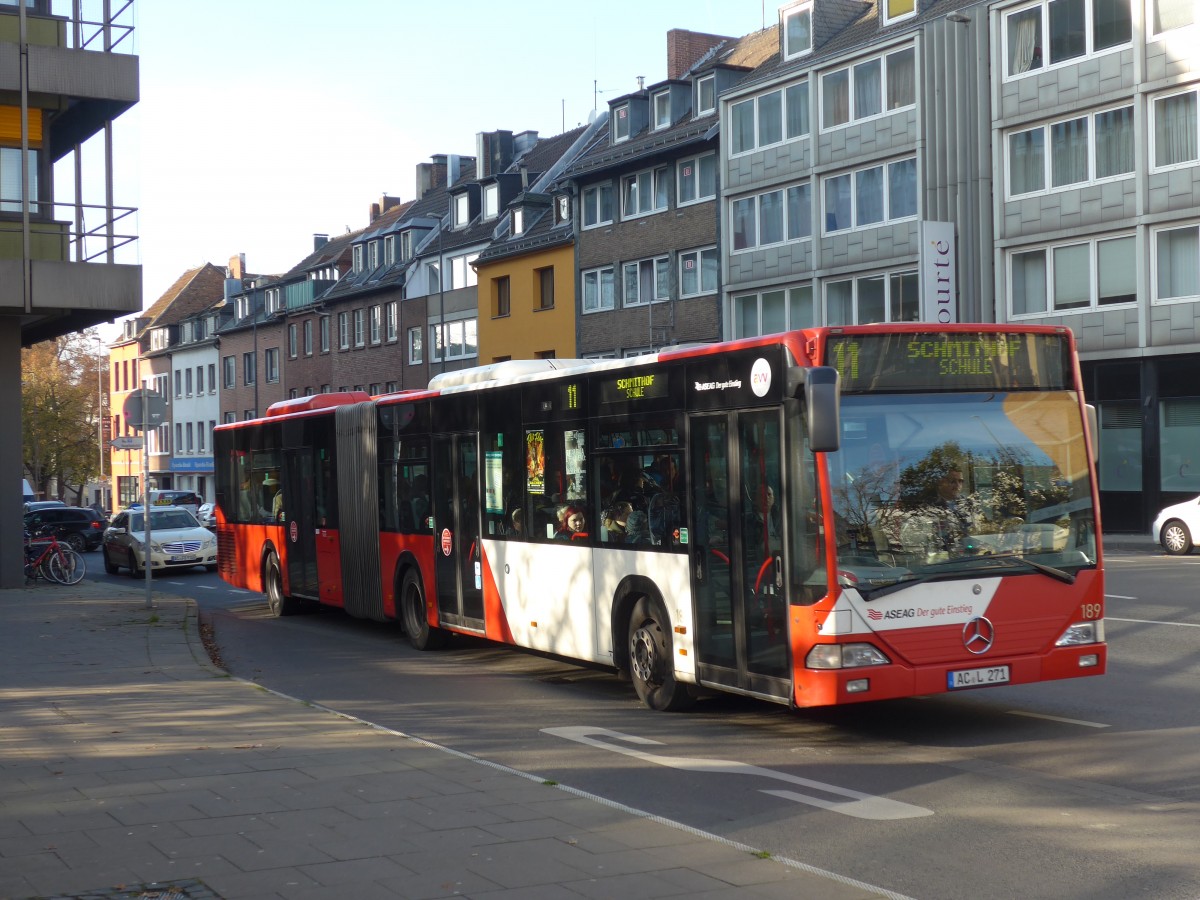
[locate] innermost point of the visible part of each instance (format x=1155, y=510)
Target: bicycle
x=47, y=557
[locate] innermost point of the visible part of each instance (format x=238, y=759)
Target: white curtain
x=901, y=79
x=1175, y=129
x=1179, y=263
x=1025, y=41
x=1114, y=142
x=868, y=88
x=835, y=98
x=1029, y=282
x=1169, y=14
x=1069, y=152
x=868, y=196
x=1027, y=161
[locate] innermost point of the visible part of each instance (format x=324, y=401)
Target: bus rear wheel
x=279, y=603
x=650, y=661
x=421, y=634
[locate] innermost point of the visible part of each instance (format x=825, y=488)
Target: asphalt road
x=1076, y=789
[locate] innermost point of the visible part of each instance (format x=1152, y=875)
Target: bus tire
x=650, y=662
x=420, y=633
x=280, y=604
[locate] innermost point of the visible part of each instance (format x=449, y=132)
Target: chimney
x=431, y=175
x=686, y=48
x=319, y=241
x=237, y=266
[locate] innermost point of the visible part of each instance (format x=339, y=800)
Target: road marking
x=1152, y=622
x=1118, y=597
x=1063, y=719
x=857, y=804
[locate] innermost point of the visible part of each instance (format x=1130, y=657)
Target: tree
x=61, y=384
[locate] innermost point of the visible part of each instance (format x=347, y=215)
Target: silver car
x=177, y=541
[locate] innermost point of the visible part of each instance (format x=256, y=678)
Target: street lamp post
x=100, y=366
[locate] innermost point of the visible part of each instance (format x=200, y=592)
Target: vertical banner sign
x=939, y=276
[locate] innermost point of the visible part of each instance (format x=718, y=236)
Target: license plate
x=969, y=678
x=182, y=559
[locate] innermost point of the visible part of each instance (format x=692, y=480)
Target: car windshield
x=161, y=520
x=922, y=480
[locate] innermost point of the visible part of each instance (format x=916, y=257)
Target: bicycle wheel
x=67, y=566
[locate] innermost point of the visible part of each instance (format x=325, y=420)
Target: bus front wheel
x=650, y=661
x=280, y=604
x=416, y=624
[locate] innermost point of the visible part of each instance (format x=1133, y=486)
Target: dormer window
x=562, y=209
x=373, y=254
x=706, y=95
x=273, y=304
x=357, y=264
x=462, y=211
x=894, y=10
x=518, y=221
x=620, y=126
x=797, y=30
x=662, y=110
x=491, y=201
x=406, y=244
x=389, y=249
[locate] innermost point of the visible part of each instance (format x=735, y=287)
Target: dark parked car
x=81, y=528
x=34, y=505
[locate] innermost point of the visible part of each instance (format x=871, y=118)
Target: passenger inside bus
x=616, y=522
x=573, y=524
x=516, y=526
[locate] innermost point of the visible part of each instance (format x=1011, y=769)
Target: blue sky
x=263, y=123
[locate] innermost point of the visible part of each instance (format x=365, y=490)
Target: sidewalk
x=130, y=767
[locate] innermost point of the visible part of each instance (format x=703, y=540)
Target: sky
x=261, y=124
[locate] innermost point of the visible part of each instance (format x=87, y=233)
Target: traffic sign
x=130, y=442
x=156, y=410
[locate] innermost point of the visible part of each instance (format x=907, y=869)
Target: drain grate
x=191, y=889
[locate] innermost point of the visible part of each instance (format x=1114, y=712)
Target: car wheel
x=1176, y=539
x=211, y=567
x=109, y=566
x=134, y=571
x=76, y=542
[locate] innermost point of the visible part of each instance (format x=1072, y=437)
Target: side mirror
x=821, y=388
x=116, y=531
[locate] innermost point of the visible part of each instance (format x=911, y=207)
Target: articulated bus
x=812, y=518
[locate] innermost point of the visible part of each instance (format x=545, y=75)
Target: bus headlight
x=844, y=656
x=1082, y=633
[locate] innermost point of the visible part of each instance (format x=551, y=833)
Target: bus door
x=738, y=553
x=299, y=525
x=458, y=556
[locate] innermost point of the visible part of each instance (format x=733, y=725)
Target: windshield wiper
x=965, y=566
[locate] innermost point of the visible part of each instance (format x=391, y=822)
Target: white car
x=207, y=514
x=177, y=541
x=1177, y=527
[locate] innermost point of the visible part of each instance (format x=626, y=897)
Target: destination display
x=956, y=361
x=646, y=386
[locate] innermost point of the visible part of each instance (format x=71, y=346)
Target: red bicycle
x=46, y=557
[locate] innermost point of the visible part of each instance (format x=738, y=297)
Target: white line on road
x=1033, y=715
x=858, y=805
x=1118, y=597
x=1152, y=622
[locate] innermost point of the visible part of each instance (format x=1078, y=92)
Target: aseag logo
x=760, y=377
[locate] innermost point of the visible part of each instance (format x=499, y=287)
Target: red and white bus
x=814, y=518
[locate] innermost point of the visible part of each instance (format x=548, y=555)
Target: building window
x=373, y=255
x=1074, y=28
x=545, y=287
x=344, y=330
x=178, y=383
x=598, y=290
x=1174, y=136
x=249, y=367
x=620, y=124
x=772, y=218
x=1167, y=15
x=324, y=327
x=462, y=273
x=406, y=245
x=871, y=196
x=393, y=320
x=11, y=196
x=191, y=438
x=293, y=340
x=416, y=353
x=771, y=312
x=1071, y=152
x=706, y=95
x=201, y=441
x=462, y=210
x=797, y=31
x=308, y=342
x=501, y=297
x=873, y=298
x=518, y=221
x=661, y=104
x=698, y=272
x=389, y=249
x=375, y=324
x=1081, y=275
x=868, y=89
x=271, y=359
x=491, y=201
x=454, y=340
x=697, y=178
x=212, y=378
x=199, y=379
x=598, y=205
x=187, y=382
x=1177, y=263
x=769, y=118
x=357, y=264
x=644, y=192
x=646, y=281
x=229, y=371
x=897, y=9
x=360, y=336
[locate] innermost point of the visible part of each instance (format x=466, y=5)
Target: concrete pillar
x=11, y=455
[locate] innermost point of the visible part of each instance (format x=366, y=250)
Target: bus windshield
x=955, y=483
